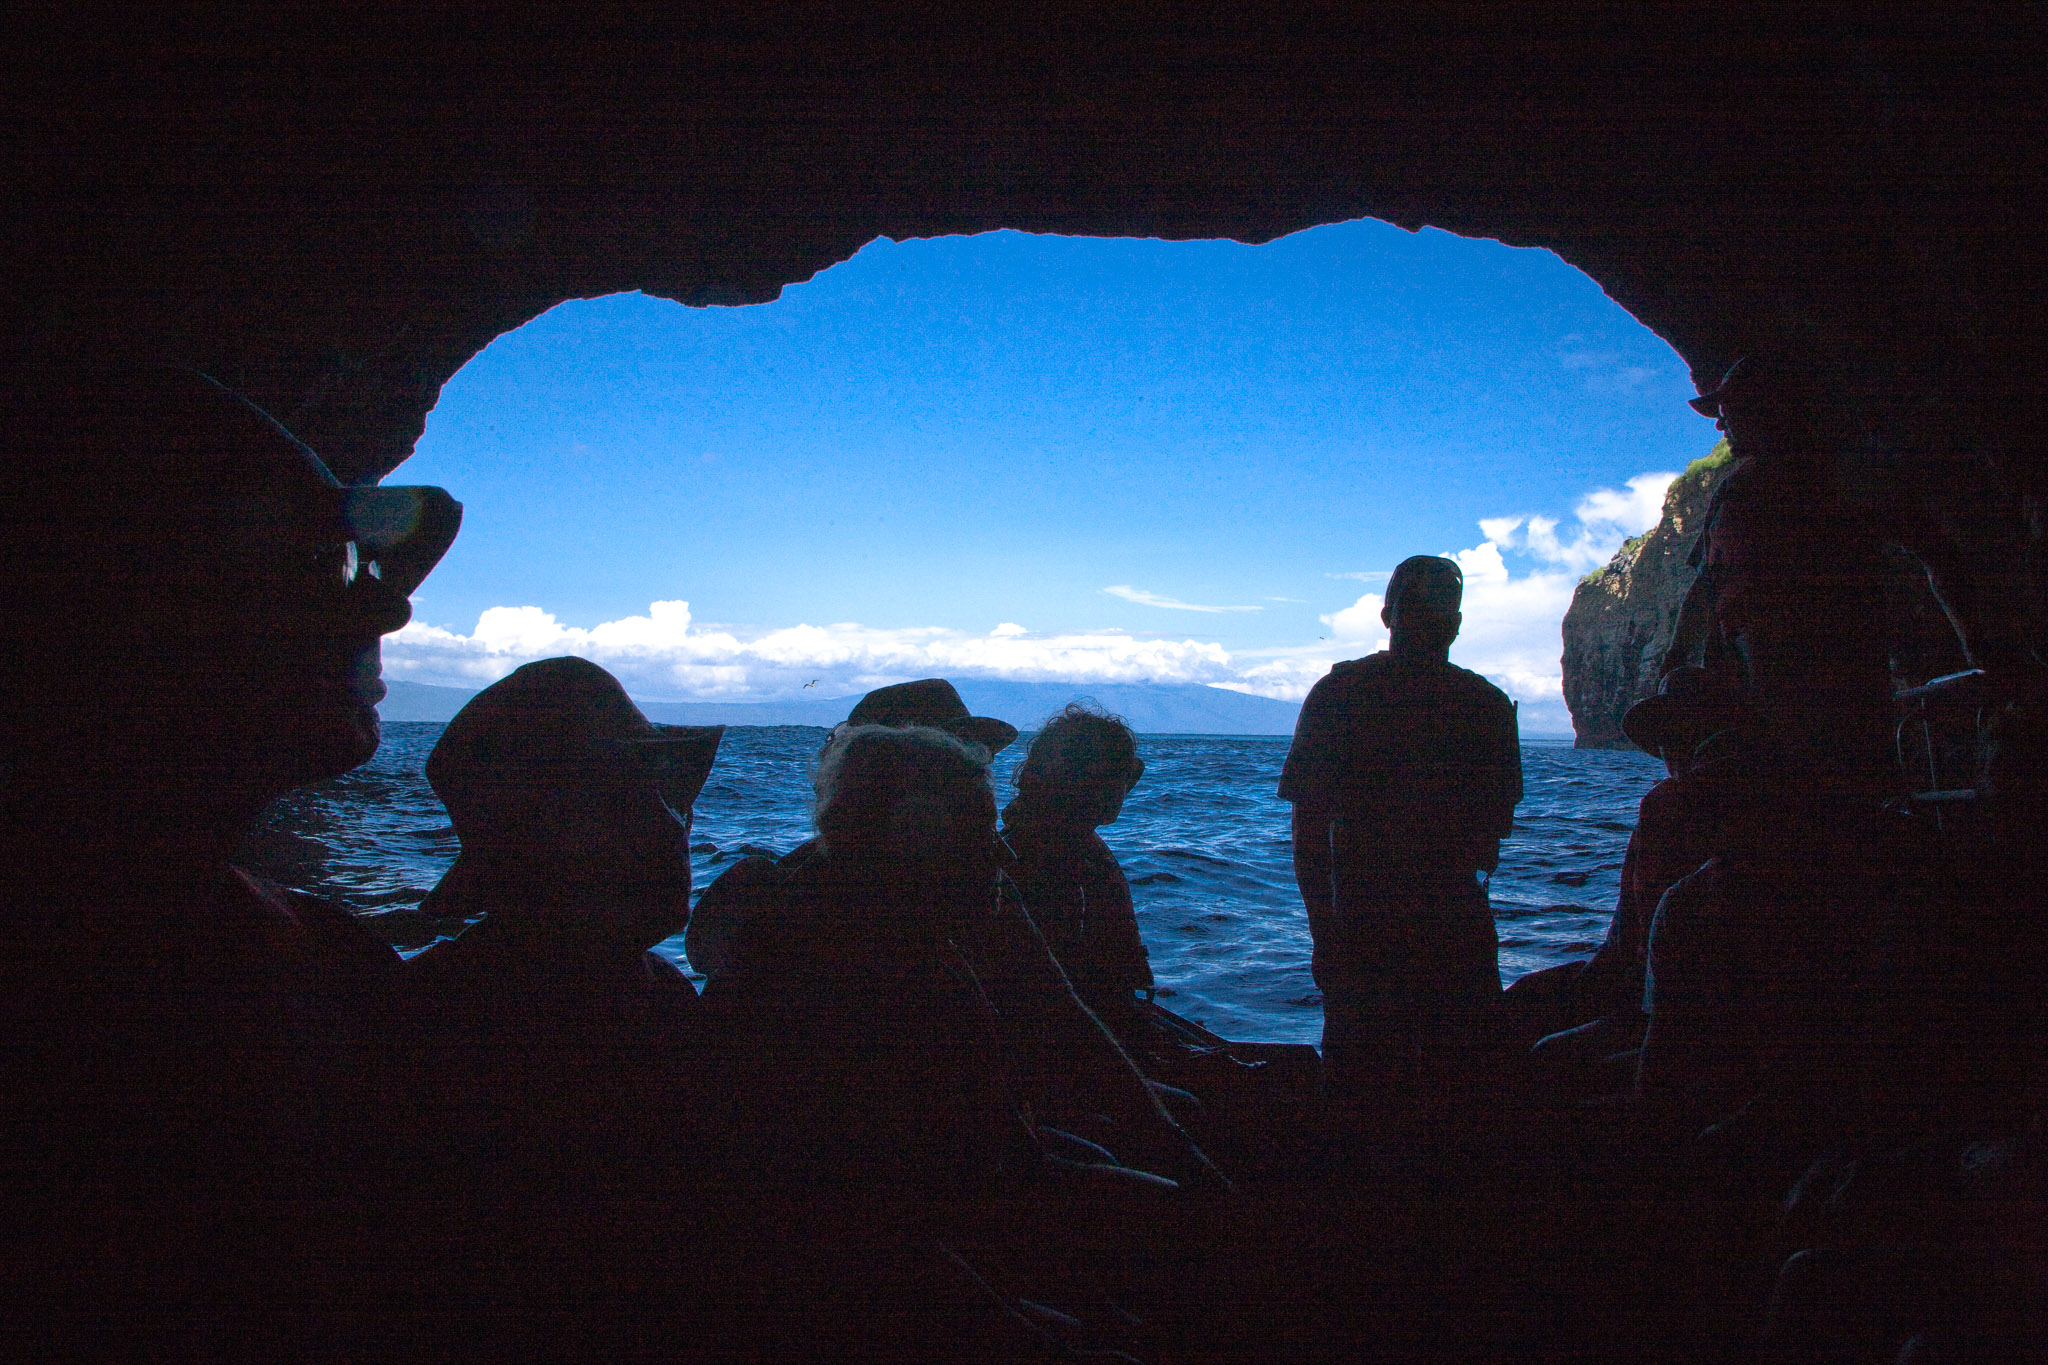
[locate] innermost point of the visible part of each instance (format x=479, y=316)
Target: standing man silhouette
x=1404, y=776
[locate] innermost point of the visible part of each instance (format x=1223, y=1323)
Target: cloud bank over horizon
x=665, y=656
x=1510, y=634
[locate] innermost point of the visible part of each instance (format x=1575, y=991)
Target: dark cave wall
x=334, y=215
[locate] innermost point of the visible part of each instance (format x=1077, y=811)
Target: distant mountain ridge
x=1153, y=709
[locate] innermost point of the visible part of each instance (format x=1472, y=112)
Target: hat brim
x=404, y=530
x=991, y=734
x=1656, y=723
x=687, y=752
x=1650, y=722
x=1707, y=404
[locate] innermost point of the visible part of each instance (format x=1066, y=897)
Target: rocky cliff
x=1622, y=616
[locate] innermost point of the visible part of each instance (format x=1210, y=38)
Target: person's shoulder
x=1476, y=686
x=1364, y=667
x=327, y=927
x=1346, y=676
x=742, y=896
x=801, y=856
x=1682, y=796
x=749, y=874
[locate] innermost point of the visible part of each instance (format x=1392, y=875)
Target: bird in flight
x=812, y=683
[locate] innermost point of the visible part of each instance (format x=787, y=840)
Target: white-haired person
x=895, y=1009
x=1081, y=766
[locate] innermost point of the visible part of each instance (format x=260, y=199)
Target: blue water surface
x=1204, y=840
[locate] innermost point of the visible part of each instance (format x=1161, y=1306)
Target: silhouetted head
x=189, y=602
x=553, y=775
x=1763, y=406
x=935, y=703
x=1081, y=766
x=914, y=801
x=1421, y=612
x=1689, y=709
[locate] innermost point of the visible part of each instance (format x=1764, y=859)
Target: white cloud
x=1635, y=511
x=1359, y=623
x=1283, y=674
x=1513, y=623
x=1510, y=634
x=1606, y=517
x=663, y=655
x=1513, y=626
x=1153, y=599
x=1368, y=576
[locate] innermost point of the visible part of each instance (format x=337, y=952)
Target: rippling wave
x=1204, y=840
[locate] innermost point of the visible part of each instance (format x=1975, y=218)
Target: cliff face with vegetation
x=1622, y=617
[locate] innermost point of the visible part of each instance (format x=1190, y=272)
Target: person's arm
x=1611, y=982
x=1695, y=620
x=1503, y=786
x=1306, y=780
x=1312, y=865
x=1069, y=1048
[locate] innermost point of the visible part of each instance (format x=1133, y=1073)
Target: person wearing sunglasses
x=190, y=611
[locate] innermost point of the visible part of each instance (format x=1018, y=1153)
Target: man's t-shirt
x=1419, y=760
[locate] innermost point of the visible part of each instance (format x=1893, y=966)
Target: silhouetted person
x=1758, y=961
x=574, y=815
x=188, y=629
x=1404, y=775
x=190, y=608
x=739, y=892
x=1600, y=1002
x=1791, y=580
x=911, y=1008
x=1081, y=766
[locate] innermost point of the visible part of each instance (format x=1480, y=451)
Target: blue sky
x=1051, y=458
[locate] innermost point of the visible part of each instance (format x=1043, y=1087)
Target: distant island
x=1153, y=709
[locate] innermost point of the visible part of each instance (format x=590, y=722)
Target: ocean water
x=1203, y=839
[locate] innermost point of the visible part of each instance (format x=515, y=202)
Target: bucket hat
x=1753, y=375
x=1689, y=705
x=139, y=457
x=933, y=702
x=556, y=725
x=1740, y=375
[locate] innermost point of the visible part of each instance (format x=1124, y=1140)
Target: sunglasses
x=394, y=535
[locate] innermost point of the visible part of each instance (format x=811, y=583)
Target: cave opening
x=335, y=213
x=1165, y=476
x=1094, y=437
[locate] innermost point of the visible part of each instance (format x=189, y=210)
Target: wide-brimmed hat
x=933, y=702
x=1690, y=706
x=139, y=455
x=1708, y=404
x=1749, y=374
x=553, y=725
